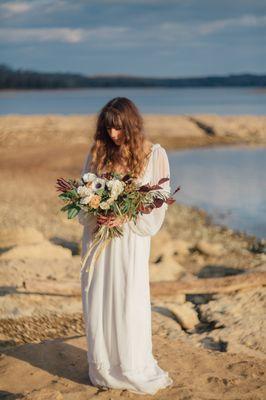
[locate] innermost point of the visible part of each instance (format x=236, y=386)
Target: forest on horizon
x=27, y=79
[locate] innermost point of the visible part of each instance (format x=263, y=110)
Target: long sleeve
x=150, y=224
x=86, y=164
x=84, y=218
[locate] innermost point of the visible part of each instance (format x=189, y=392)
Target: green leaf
x=68, y=195
x=100, y=191
x=66, y=207
x=64, y=196
x=73, y=212
x=73, y=193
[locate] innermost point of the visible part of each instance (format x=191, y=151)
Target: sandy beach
x=207, y=283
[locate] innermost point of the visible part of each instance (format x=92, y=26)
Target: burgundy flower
x=63, y=185
x=158, y=202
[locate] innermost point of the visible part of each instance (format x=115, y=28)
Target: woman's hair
x=119, y=113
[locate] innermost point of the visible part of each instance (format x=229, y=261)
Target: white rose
x=116, y=187
x=85, y=200
x=89, y=192
x=89, y=177
x=83, y=191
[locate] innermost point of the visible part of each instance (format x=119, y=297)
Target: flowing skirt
x=117, y=315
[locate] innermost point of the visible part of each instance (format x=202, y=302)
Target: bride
x=116, y=303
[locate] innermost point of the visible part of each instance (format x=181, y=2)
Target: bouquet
x=110, y=194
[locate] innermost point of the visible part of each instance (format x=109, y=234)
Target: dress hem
x=107, y=367
x=163, y=381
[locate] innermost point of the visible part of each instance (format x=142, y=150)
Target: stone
x=185, y=314
x=209, y=249
x=168, y=270
x=179, y=298
x=157, y=250
x=170, y=247
x=44, y=250
x=182, y=247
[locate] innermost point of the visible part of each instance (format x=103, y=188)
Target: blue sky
x=159, y=38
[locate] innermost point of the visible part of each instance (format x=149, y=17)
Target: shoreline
x=174, y=132
x=32, y=143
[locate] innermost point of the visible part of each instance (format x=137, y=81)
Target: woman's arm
x=150, y=224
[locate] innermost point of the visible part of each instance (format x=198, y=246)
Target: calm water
x=229, y=101
x=227, y=182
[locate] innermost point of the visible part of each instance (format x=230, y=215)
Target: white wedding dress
x=116, y=304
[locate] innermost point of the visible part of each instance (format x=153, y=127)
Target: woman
x=116, y=304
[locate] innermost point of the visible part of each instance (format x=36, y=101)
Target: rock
x=157, y=250
x=209, y=249
x=170, y=247
x=168, y=270
x=164, y=324
x=182, y=247
x=240, y=318
x=44, y=250
x=184, y=313
x=211, y=271
x=179, y=298
x=20, y=236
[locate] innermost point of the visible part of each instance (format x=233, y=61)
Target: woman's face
x=117, y=136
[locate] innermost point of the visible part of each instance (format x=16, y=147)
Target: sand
x=211, y=342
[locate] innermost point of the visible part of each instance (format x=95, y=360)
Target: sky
x=156, y=38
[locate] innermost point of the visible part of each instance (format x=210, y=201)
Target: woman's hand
x=111, y=221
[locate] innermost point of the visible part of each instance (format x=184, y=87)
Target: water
x=227, y=182
x=221, y=101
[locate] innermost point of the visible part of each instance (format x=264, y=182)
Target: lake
x=228, y=182
x=222, y=101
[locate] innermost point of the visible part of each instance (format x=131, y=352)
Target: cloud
x=66, y=35
x=248, y=21
x=165, y=34
x=172, y=31
x=12, y=8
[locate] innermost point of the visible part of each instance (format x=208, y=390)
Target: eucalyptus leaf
x=73, y=212
x=66, y=207
x=64, y=196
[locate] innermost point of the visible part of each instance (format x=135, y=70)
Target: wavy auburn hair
x=122, y=114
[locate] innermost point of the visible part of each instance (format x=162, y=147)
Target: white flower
x=97, y=184
x=83, y=191
x=89, y=177
x=116, y=187
x=85, y=200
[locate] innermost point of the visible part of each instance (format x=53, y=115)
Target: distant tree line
x=27, y=79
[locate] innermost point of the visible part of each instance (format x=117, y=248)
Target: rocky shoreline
x=207, y=281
